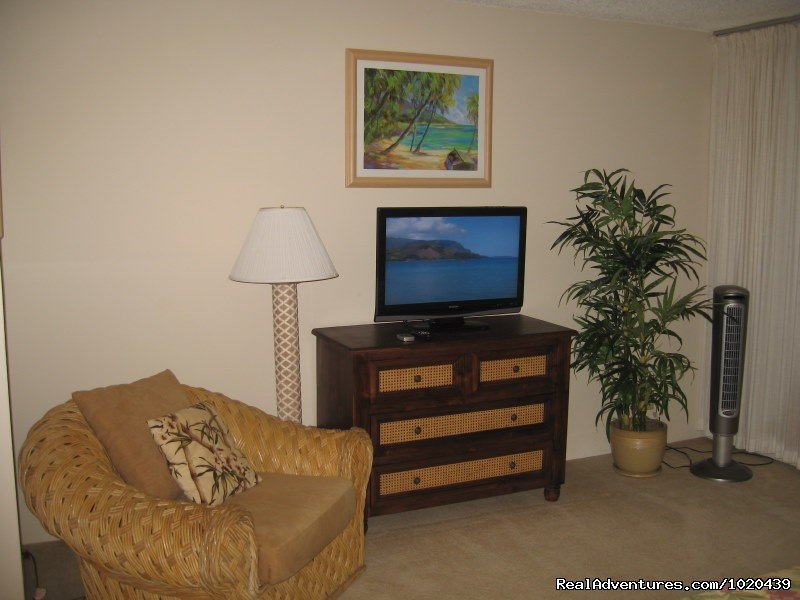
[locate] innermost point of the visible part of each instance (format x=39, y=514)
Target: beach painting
x=417, y=120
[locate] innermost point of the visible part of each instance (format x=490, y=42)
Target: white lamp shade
x=282, y=247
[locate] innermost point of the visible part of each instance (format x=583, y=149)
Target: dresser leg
x=551, y=494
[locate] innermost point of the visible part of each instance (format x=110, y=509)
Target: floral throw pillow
x=201, y=455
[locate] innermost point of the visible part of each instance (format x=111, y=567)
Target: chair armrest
x=164, y=546
x=271, y=444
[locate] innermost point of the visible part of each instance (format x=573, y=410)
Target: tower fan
x=727, y=368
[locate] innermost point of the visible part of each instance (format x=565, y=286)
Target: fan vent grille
x=732, y=338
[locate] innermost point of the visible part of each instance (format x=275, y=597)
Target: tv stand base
x=447, y=324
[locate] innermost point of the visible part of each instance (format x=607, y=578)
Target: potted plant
x=629, y=307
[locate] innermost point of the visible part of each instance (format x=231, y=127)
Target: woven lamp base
x=286, y=333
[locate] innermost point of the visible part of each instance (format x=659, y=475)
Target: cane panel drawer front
x=515, y=367
x=415, y=378
x=460, y=472
x=426, y=428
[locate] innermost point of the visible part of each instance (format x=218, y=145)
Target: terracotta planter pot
x=639, y=453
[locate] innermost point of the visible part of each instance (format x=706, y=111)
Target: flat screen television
x=440, y=265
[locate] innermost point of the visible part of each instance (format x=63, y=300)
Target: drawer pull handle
x=417, y=378
x=514, y=416
x=512, y=465
x=515, y=368
x=417, y=480
x=417, y=430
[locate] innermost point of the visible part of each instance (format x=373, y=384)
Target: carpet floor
x=671, y=527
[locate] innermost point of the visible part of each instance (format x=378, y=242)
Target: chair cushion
x=118, y=415
x=201, y=454
x=295, y=517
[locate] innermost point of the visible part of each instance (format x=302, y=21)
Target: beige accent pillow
x=201, y=455
x=118, y=416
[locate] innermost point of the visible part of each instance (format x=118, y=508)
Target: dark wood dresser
x=464, y=415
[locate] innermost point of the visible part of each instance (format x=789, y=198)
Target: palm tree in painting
x=418, y=94
x=402, y=105
x=445, y=86
x=472, y=115
x=384, y=92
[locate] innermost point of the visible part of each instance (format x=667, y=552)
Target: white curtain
x=754, y=223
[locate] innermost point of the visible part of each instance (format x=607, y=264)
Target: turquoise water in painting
x=444, y=137
x=409, y=282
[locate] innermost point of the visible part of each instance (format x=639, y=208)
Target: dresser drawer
x=514, y=367
x=426, y=428
x=437, y=375
x=414, y=378
x=428, y=478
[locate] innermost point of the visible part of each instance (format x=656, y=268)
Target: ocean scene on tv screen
x=451, y=259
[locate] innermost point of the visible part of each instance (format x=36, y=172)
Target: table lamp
x=284, y=249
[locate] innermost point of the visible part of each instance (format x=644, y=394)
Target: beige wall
x=140, y=138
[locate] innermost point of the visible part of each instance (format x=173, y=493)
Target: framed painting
x=417, y=120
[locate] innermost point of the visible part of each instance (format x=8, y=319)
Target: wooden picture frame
x=417, y=120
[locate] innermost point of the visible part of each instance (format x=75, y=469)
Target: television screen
x=440, y=262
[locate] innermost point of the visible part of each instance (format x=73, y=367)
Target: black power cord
x=26, y=555
x=39, y=592
x=680, y=450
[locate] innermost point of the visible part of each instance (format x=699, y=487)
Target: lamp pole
x=286, y=337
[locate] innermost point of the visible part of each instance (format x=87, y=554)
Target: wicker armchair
x=131, y=545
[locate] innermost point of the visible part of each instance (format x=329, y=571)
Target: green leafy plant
x=626, y=339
